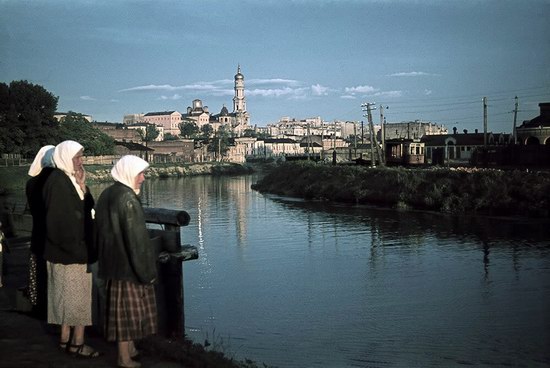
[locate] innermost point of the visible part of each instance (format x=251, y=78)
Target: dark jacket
x=36, y=205
x=69, y=225
x=124, y=248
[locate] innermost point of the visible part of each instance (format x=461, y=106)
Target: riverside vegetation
x=448, y=190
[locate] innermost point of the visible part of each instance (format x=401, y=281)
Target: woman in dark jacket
x=127, y=260
x=69, y=206
x=41, y=168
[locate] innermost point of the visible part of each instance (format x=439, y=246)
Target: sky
x=428, y=60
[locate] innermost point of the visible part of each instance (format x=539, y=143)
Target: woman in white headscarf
x=127, y=260
x=69, y=206
x=40, y=170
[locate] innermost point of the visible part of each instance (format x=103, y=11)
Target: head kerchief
x=127, y=169
x=44, y=158
x=63, y=156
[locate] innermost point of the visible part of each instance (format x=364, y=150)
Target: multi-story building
x=170, y=121
x=412, y=130
x=535, y=131
x=132, y=119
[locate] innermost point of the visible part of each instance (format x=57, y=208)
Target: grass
x=487, y=192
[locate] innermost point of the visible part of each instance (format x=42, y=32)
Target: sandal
x=63, y=346
x=79, y=352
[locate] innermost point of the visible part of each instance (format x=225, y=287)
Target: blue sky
x=431, y=60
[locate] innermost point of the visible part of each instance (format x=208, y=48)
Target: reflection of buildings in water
x=237, y=189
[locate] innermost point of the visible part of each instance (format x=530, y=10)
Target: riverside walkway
x=28, y=342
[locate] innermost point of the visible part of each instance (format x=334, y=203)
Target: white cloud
x=150, y=87
x=412, y=74
x=348, y=97
x=87, y=98
x=389, y=94
x=277, y=92
x=173, y=97
x=361, y=89
x=427, y=92
x=319, y=90
x=289, y=82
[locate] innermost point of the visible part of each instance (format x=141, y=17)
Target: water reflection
x=352, y=286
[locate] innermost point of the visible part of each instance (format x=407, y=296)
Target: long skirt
x=131, y=311
x=69, y=294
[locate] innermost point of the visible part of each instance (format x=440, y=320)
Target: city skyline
x=426, y=60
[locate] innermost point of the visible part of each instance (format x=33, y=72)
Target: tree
x=250, y=133
x=96, y=143
x=189, y=129
x=149, y=134
x=170, y=137
x=26, y=117
x=207, y=130
x=220, y=142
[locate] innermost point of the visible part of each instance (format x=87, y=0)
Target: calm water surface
x=306, y=284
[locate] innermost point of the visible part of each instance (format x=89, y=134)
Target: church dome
x=239, y=75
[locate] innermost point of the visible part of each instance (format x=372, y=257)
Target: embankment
x=455, y=190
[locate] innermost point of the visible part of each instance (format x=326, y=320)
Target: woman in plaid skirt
x=127, y=260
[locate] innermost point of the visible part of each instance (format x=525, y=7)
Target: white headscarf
x=127, y=169
x=44, y=158
x=63, y=159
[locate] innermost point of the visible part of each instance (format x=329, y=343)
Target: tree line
x=27, y=122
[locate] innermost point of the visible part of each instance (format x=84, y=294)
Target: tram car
x=405, y=152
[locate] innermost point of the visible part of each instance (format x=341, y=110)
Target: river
x=293, y=283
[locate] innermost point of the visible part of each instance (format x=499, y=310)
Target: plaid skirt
x=131, y=311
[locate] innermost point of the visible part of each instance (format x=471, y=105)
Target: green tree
x=220, y=143
x=26, y=117
x=96, y=143
x=170, y=137
x=207, y=130
x=189, y=129
x=149, y=134
x=250, y=133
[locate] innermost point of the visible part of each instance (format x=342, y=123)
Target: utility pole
x=515, y=119
x=355, y=139
x=322, y=137
x=373, y=142
x=485, y=123
x=383, y=132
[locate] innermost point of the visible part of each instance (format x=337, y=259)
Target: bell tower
x=239, y=101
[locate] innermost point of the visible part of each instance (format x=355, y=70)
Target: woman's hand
x=80, y=176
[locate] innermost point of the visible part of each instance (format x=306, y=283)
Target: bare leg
x=124, y=358
x=77, y=344
x=65, y=334
x=132, y=349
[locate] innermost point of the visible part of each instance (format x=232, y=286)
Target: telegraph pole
x=368, y=107
x=515, y=119
x=484, y=123
x=383, y=132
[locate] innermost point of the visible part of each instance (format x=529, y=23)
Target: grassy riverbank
x=455, y=190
